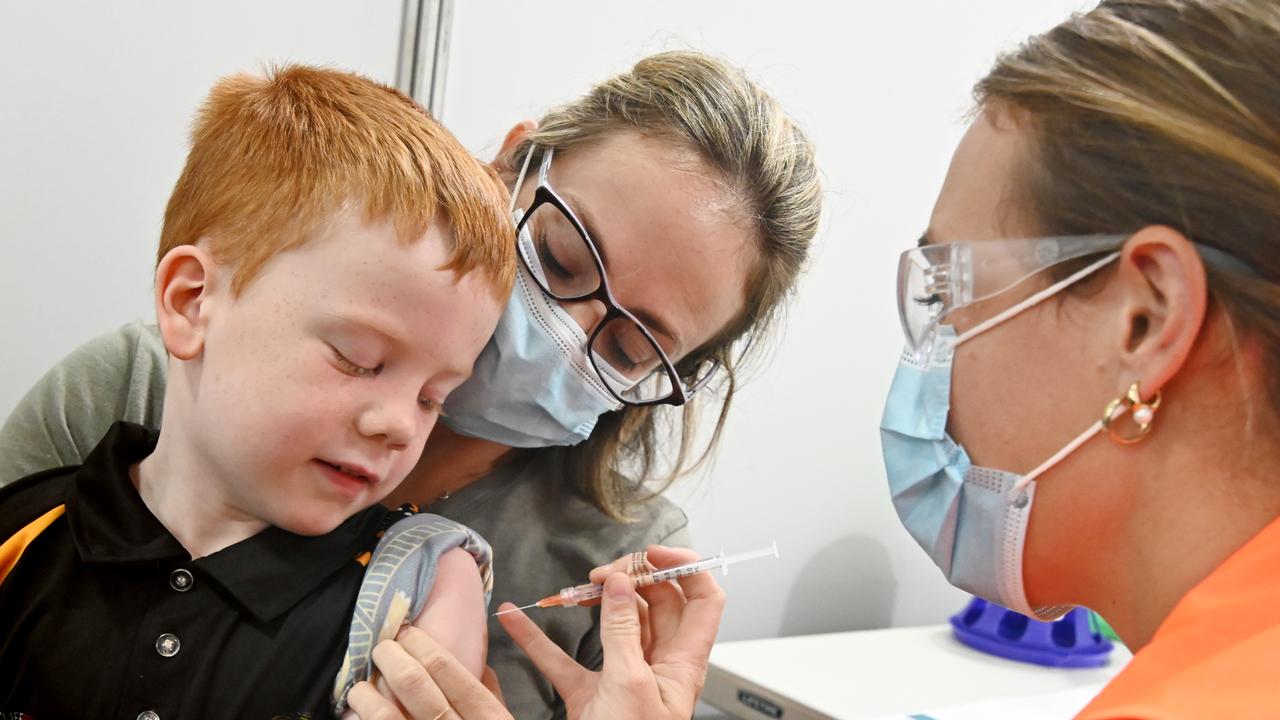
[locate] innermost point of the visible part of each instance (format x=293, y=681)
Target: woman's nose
x=586, y=313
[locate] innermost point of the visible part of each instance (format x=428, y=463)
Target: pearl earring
x=1142, y=411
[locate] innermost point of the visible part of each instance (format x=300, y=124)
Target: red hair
x=272, y=158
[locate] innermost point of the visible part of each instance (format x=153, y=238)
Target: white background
x=96, y=101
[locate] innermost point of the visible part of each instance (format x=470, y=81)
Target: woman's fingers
x=408, y=678
x=665, y=608
x=560, y=669
x=646, y=634
x=662, y=607
x=465, y=693
x=369, y=704
x=622, y=565
x=620, y=630
x=489, y=679
x=700, y=620
x=664, y=557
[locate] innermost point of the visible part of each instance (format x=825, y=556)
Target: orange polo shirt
x=1217, y=655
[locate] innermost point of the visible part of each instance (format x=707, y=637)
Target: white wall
x=882, y=88
x=95, y=103
x=98, y=96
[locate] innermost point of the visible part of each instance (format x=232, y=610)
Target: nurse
x=1086, y=413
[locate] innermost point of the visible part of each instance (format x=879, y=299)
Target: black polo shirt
x=104, y=614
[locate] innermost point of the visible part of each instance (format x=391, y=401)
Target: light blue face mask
x=971, y=520
x=532, y=385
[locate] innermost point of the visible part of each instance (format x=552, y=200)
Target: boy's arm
x=454, y=614
x=116, y=376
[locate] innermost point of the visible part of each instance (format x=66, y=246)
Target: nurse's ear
x=186, y=278
x=1164, y=293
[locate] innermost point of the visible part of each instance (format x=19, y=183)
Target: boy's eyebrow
x=368, y=323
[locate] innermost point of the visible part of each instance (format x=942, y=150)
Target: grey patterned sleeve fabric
x=405, y=560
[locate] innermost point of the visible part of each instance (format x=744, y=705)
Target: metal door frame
x=425, y=30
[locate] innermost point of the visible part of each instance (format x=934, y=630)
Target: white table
x=875, y=673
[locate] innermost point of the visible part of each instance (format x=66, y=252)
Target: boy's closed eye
x=352, y=367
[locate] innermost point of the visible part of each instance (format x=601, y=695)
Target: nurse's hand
x=654, y=667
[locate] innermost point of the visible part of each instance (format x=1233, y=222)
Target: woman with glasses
x=1086, y=412
x=661, y=221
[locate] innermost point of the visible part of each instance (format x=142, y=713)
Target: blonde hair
x=274, y=157
x=766, y=164
x=1161, y=112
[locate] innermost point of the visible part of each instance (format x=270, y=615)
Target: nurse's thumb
x=620, y=633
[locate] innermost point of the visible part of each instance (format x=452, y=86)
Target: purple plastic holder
x=1069, y=642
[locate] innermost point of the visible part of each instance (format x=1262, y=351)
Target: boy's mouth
x=355, y=472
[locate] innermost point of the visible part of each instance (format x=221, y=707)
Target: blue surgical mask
x=971, y=520
x=532, y=385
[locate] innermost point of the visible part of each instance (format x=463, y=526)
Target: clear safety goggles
x=934, y=281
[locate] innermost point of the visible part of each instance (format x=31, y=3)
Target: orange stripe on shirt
x=12, y=549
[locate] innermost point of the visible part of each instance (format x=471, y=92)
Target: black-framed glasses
x=563, y=260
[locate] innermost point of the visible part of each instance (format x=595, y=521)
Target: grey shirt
x=544, y=534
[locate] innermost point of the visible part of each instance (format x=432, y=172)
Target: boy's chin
x=319, y=522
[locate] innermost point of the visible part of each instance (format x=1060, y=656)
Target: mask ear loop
x=524, y=169
x=1070, y=447
x=1144, y=412
x=1031, y=301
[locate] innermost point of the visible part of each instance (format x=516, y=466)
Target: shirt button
x=168, y=645
x=148, y=715
x=181, y=580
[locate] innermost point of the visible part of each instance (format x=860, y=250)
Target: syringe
x=579, y=594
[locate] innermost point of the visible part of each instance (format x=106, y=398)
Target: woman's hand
x=656, y=647
x=654, y=667
x=422, y=681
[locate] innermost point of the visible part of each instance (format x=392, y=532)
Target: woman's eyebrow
x=651, y=321
x=584, y=216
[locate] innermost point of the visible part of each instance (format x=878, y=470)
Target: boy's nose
x=393, y=420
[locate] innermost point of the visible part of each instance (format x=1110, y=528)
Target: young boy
x=332, y=262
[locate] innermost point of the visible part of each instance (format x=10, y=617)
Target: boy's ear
x=505, y=163
x=185, y=278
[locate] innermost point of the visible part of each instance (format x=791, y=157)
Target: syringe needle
x=526, y=607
